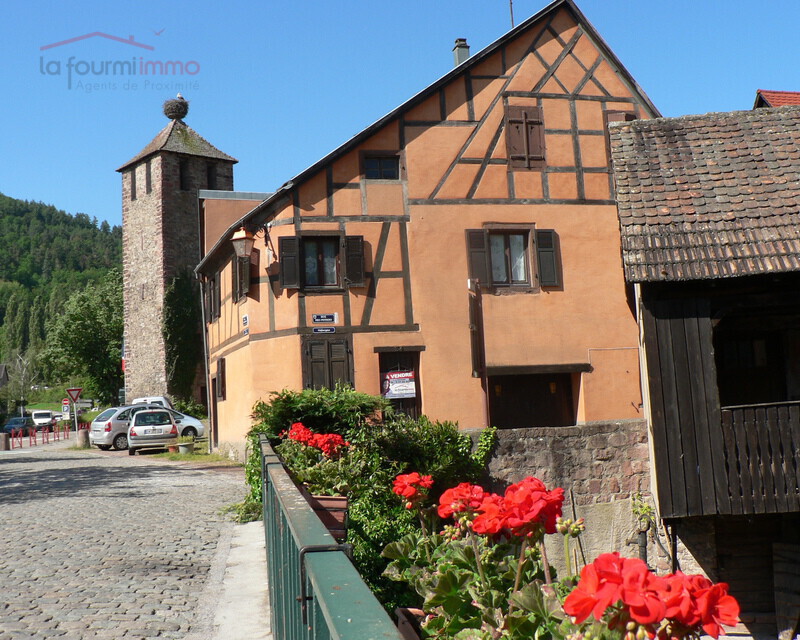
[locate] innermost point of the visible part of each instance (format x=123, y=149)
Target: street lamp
x=243, y=241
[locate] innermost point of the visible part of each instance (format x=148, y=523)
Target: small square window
x=382, y=167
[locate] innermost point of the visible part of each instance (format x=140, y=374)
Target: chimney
x=460, y=51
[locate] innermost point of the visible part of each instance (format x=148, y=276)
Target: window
x=240, y=277
x=382, y=167
x=321, y=262
x=508, y=256
x=133, y=183
x=211, y=175
x=524, y=128
x=500, y=257
x=148, y=179
x=183, y=174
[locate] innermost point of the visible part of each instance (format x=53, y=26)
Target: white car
x=159, y=400
x=42, y=418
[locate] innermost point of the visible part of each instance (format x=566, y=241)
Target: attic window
x=382, y=167
x=133, y=183
x=211, y=175
x=148, y=180
x=524, y=128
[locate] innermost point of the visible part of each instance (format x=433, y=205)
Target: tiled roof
x=766, y=98
x=709, y=196
x=179, y=138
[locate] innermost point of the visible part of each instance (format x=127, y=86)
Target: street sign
x=65, y=406
x=74, y=394
x=324, y=329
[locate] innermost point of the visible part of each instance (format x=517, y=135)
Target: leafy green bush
x=341, y=410
x=382, y=445
x=190, y=407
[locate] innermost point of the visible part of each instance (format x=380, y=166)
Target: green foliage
x=46, y=254
x=487, y=440
x=341, y=410
x=85, y=340
x=474, y=587
x=379, y=450
x=182, y=337
x=190, y=407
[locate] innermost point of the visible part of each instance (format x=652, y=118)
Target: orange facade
x=467, y=243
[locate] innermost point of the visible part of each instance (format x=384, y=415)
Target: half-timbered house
x=461, y=255
x=709, y=208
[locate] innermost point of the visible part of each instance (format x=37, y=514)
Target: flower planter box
x=332, y=511
x=408, y=622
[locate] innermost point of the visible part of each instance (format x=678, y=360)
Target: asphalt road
x=105, y=545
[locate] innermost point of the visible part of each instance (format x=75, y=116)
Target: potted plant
x=185, y=444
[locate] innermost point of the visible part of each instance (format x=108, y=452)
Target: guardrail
x=46, y=434
x=315, y=592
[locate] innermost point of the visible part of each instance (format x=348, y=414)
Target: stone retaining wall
x=600, y=465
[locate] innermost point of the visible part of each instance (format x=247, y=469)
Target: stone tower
x=161, y=237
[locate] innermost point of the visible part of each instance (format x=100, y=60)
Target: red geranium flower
x=409, y=485
x=717, y=607
x=463, y=497
x=301, y=433
x=526, y=509
x=612, y=579
x=491, y=517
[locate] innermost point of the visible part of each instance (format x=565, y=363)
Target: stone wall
x=600, y=466
x=160, y=238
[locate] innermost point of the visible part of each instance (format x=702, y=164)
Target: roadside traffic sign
x=74, y=394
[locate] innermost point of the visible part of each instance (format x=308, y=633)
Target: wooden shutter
x=327, y=361
x=235, y=288
x=317, y=364
x=216, y=297
x=547, y=258
x=354, y=261
x=339, y=362
x=524, y=137
x=289, y=248
x=221, y=379
x=478, y=256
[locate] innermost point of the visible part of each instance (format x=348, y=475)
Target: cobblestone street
x=104, y=545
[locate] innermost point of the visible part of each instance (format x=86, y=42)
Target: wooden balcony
x=762, y=457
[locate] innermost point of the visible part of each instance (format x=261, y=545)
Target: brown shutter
x=235, y=281
x=339, y=362
x=354, y=261
x=524, y=137
x=478, y=256
x=216, y=297
x=547, y=258
x=289, y=248
x=221, y=379
x=317, y=364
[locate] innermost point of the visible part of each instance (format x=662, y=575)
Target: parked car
x=110, y=428
x=187, y=425
x=151, y=428
x=42, y=418
x=159, y=400
x=19, y=422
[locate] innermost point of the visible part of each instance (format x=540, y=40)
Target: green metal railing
x=315, y=592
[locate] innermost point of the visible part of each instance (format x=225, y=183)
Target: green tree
x=86, y=338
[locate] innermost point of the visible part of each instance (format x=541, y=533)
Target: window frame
x=350, y=270
x=393, y=156
x=543, y=264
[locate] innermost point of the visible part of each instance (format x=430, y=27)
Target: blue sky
x=278, y=85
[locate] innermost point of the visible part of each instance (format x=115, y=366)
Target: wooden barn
x=709, y=208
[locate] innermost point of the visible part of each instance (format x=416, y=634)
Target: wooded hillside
x=45, y=255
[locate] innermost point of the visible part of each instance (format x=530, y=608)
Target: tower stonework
x=160, y=239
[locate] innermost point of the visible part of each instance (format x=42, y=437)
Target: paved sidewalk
x=104, y=545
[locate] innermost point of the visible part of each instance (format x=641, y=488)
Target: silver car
x=151, y=429
x=110, y=428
